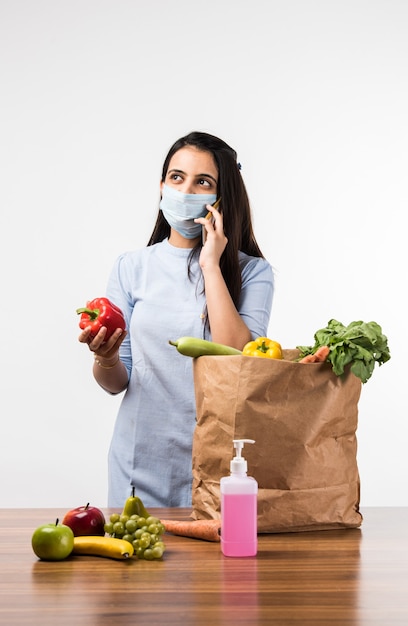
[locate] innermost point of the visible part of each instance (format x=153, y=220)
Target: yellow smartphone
x=209, y=216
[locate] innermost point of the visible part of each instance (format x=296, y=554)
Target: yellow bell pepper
x=263, y=347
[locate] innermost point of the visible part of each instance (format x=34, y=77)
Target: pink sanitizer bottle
x=239, y=495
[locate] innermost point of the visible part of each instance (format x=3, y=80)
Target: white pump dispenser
x=238, y=464
x=239, y=493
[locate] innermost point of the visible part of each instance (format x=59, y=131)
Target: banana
x=194, y=347
x=110, y=547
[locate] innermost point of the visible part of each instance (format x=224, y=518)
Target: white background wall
x=313, y=95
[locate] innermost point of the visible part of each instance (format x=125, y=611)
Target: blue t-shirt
x=151, y=447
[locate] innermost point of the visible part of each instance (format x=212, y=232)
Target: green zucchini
x=194, y=347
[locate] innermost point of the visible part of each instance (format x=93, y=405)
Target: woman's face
x=192, y=171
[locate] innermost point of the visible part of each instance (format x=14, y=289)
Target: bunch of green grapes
x=145, y=534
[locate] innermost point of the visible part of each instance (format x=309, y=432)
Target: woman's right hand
x=101, y=348
x=216, y=240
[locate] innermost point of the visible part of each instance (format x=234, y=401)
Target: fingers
x=93, y=342
x=212, y=218
x=85, y=335
x=215, y=217
x=98, y=345
x=212, y=223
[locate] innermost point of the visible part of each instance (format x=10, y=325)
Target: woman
x=177, y=286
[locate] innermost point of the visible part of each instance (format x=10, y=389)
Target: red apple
x=52, y=542
x=85, y=520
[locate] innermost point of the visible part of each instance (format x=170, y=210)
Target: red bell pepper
x=101, y=312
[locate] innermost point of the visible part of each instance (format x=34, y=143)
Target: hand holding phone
x=210, y=217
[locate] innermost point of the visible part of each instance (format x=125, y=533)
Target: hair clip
x=239, y=166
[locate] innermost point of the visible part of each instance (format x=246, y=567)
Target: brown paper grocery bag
x=303, y=419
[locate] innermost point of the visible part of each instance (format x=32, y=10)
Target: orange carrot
x=319, y=356
x=208, y=529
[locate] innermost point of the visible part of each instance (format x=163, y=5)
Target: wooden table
x=342, y=577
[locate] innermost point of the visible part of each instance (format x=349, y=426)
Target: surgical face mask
x=180, y=210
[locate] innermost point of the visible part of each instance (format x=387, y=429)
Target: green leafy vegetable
x=360, y=344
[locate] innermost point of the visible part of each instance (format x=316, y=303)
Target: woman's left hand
x=215, y=241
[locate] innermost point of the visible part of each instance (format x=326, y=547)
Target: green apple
x=53, y=542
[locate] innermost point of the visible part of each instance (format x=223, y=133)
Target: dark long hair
x=234, y=206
